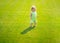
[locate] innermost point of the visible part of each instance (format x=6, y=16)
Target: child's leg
x=31, y=24
x=34, y=23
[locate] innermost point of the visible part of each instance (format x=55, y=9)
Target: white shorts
x=33, y=21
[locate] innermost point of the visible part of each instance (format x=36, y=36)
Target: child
x=33, y=16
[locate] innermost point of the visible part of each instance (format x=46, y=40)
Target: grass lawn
x=15, y=19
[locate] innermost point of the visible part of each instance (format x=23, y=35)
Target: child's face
x=33, y=9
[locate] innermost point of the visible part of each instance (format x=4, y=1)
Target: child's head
x=33, y=9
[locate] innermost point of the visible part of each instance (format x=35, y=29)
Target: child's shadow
x=27, y=30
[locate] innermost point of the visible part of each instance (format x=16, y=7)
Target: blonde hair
x=33, y=6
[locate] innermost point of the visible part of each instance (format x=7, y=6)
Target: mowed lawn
x=15, y=18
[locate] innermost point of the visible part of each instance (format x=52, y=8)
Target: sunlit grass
x=15, y=18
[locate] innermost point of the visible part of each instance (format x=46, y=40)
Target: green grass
x=14, y=19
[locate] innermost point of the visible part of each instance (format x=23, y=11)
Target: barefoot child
x=33, y=16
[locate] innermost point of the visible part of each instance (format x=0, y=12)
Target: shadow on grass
x=27, y=30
